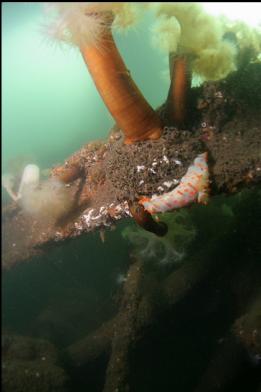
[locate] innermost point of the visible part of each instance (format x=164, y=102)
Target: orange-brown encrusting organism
x=67, y=174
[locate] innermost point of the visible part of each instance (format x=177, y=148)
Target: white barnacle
x=139, y=168
x=90, y=211
x=152, y=170
x=77, y=226
x=154, y=164
x=87, y=217
x=178, y=162
x=160, y=188
x=118, y=208
x=141, y=182
x=96, y=217
x=168, y=183
x=165, y=159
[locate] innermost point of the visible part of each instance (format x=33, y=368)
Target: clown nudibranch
x=193, y=187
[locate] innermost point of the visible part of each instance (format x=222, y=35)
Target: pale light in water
x=248, y=12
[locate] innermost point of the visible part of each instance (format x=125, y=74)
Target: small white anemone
x=30, y=178
x=46, y=200
x=8, y=183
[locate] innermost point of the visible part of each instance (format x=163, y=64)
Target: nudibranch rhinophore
x=145, y=220
x=193, y=187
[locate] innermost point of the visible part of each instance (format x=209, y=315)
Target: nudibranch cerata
x=193, y=187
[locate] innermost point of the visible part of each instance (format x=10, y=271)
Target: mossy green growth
x=164, y=250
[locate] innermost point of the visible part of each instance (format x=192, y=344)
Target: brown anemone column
x=129, y=108
x=178, y=92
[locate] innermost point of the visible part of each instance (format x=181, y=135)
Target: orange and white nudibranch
x=193, y=187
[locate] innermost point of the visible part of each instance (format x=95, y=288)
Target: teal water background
x=50, y=104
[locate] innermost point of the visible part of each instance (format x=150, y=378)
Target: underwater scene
x=131, y=197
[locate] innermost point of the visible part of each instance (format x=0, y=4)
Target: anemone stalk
x=178, y=92
x=124, y=100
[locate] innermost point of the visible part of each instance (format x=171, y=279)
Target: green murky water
x=50, y=109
